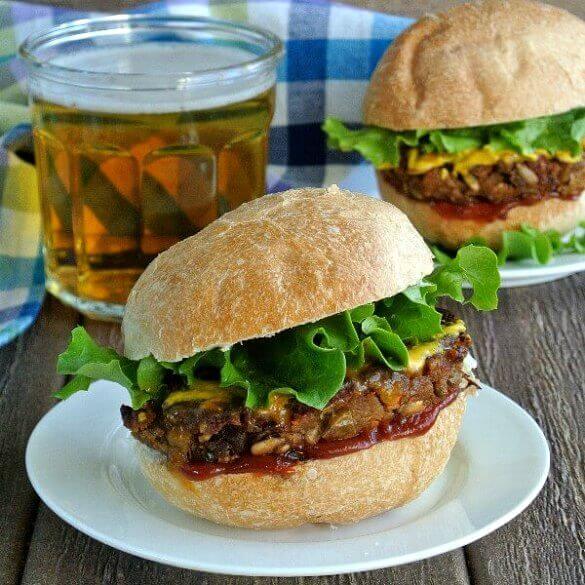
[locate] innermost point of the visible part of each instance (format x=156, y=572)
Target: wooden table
x=532, y=348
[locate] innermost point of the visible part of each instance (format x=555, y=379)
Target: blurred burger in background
x=474, y=122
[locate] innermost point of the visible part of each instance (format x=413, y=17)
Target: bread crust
x=272, y=264
x=480, y=63
x=451, y=233
x=340, y=490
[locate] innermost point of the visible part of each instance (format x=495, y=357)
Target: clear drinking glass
x=146, y=129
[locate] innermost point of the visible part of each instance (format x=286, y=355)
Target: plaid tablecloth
x=331, y=51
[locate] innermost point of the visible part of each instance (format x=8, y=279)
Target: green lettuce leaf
x=378, y=145
x=528, y=243
x=560, y=133
x=88, y=361
x=574, y=244
x=309, y=362
x=358, y=314
x=306, y=361
x=411, y=315
x=191, y=367
x=76, y=384
x=382, y=345
x=149, y=375
x=452, y=141
x=474, y=265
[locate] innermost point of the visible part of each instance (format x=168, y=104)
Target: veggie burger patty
x=211, y=424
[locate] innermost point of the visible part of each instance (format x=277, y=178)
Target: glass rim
x=177, y=79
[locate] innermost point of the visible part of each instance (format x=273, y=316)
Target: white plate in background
x=527, y=272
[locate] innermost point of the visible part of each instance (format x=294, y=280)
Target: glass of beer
x=145, y=129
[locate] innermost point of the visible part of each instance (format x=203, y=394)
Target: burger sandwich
x=474, y=120
x=288, y=363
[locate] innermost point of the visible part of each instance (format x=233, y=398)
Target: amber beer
x=119, y=188
x=123, y=175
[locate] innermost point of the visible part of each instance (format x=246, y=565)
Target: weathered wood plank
x=60, y=554
x=27, y=376
x=532, y=349
x=518, y=347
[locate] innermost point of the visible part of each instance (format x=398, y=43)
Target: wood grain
x=532, y=348
x=60, y=554
x=27, y=376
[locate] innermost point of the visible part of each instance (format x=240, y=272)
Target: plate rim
x=290, y=571
x=512, y=269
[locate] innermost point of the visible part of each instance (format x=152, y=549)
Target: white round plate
x=528, y=272
x=362, y=179
x=80, y=461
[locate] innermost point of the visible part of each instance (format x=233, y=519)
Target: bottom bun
x=556, y=214
x=339, y=490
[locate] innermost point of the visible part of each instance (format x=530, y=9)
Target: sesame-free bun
x=272, y=264
x=339, y=490
x=481, y=63
x=557, y=214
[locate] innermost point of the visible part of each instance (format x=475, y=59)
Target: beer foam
x=154, y=59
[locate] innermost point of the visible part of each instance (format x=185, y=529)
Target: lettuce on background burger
x=474, y=120
x=288, y=364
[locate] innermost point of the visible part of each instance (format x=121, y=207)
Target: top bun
x=484, y=63
x=272, y=264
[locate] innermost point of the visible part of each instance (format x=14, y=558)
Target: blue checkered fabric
x=331, y=51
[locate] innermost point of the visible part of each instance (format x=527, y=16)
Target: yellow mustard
x=462, y=162
x=418, y=354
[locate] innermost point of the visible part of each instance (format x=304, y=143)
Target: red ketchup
x=484, y=211
x=481, y=212
x=397, y=428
